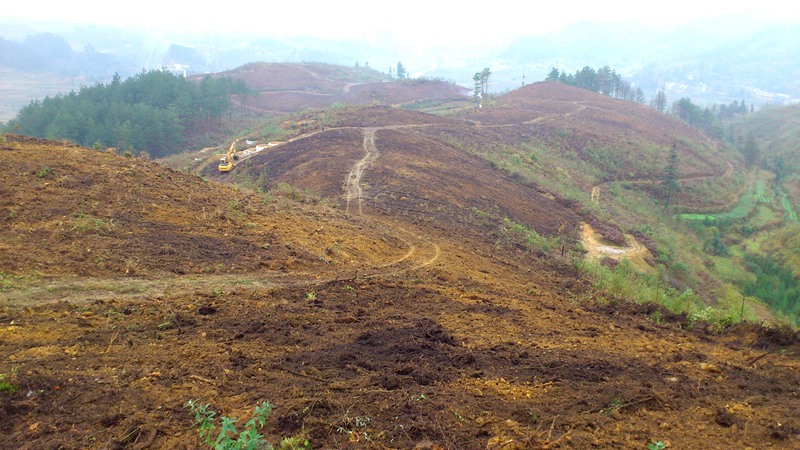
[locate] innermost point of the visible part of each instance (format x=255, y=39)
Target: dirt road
x=353, y=188
x=421, y=251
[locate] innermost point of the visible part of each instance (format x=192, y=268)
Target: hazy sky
x=410, y=21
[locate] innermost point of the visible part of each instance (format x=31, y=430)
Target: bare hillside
x=420, y=299
x=287, y=88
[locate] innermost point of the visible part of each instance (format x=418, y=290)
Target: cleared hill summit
x=621, y=139
x=286, y=88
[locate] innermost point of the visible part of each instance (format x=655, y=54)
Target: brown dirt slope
x=69, y=210
x=438, y=332
x=413, y=176
x=286, y=88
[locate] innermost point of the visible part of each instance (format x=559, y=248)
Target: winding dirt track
x=353, y=182
x=421, y=251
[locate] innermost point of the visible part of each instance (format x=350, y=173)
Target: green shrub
x=84, y=223
x=45, y=172
x=228, y=438
x=7, y=380
x=517, y=232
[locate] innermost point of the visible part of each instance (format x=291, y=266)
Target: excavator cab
x=225, y=164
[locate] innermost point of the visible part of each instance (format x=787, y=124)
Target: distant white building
x=177, y=69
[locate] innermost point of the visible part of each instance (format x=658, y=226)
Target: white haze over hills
x=708, y=52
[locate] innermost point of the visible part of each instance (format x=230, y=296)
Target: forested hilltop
x=154, y=112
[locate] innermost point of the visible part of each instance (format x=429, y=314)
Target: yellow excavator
x=229, y=160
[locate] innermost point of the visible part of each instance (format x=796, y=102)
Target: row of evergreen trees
x=604, y=81
x=608, y=82
x=154, y=112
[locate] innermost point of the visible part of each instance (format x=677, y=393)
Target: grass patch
x=745, y=206
x=9, y=282
x=699, y=217
x=8, y=380
x=791, y=215
x=624, y=283
x=85, y=223
x=45, y=172
x=763, y=216
x=517, y=232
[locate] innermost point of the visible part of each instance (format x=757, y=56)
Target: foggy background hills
x=711, y=60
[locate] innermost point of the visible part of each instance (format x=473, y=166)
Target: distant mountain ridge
x=710, y=61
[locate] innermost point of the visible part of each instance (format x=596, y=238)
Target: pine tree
x=476, y=94
x=485, y=74
x=670, y=182
x=752, y=153
x=660, y=101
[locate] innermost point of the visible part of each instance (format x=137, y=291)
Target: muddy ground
x=417, y=322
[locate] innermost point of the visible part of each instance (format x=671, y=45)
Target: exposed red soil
x=403, y=91
x=426, y=327
x=263, y=77
x=287, y=88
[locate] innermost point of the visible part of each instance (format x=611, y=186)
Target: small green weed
x=228, y=438
x=84, y=223
x=294, y=443
x=9, y=282
x=655, y=317
x=656, y=446
x=614, y=406
x=45, y=172
x=311, y=295
x=7, y=380
x=352, y=424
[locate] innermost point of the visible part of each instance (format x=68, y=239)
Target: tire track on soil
x=418, y=258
